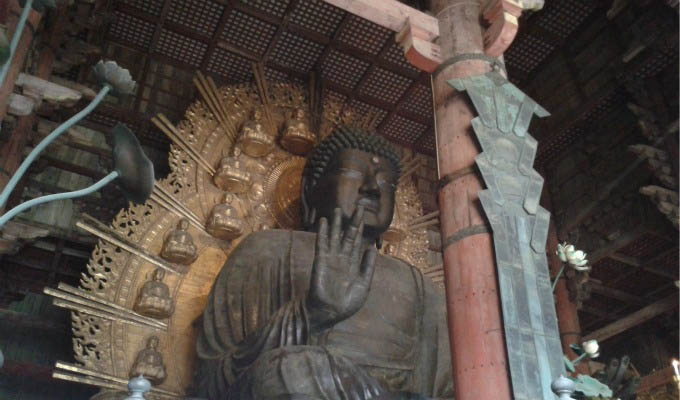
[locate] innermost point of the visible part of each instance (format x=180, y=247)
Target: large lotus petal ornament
x=577, y=258
x=119, y=78
x=562, y=249
x=134, y=168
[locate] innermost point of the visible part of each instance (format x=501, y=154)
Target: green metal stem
x=579, y=358
x=58, y=196
x=557, y=278
x=49, y=139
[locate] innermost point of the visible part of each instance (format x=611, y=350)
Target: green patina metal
x=520, y=229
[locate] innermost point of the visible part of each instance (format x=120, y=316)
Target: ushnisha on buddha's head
x=351, y=168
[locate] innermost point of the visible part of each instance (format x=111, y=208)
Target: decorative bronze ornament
x=154, y=298
x=178, y=246
x=296, y=136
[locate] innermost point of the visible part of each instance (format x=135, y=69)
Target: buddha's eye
x=382, y=179
x=351, y=173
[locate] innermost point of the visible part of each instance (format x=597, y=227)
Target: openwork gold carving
x=106, y=347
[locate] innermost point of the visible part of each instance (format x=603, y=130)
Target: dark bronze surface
x=134, y=167
x=320, y=314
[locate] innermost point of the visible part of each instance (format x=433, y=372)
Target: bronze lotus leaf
x=133, y=166
x=119, y=78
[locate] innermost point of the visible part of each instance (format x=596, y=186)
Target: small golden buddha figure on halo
x=224, y=221
x=296, y=136
x=231, y=175
x=254, y=140
x=149, y=362
x=178, y=246
x=154, y=298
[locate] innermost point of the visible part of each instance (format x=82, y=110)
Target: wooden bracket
x=416, y=30
x=419, y=51
x=502, y=17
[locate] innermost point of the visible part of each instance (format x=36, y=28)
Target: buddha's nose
x=370, y=186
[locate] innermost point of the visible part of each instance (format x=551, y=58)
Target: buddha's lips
x=369, y=204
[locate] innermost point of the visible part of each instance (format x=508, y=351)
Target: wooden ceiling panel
x=528, y=53
x=564, y=16
x=606, y=269
x=395, y=55
x=343, y=69
x=151, y=7
x=419, y=101
x=201, y=16
x=427, y=143
x=385, y=85
x=229, y=66
x=181, y=48
x=403, y=130
x=364, y=35
x=132, y=29
x=365, y=110
x=276, y=8
x=295, y=52
x=317, y=16
x=247, y=32
x=646, y=246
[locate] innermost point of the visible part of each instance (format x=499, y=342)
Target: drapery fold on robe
x=257, y=306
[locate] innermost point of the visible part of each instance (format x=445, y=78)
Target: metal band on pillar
x=495, y=63
x=448, y=178
x=463, y=233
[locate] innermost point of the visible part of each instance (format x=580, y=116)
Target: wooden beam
x=628, y=260
x=616, y=294
x=616, y=244
x=655, y=379
x=645, y=314
x=390, y=14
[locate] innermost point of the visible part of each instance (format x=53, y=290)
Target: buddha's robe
x=255, y=342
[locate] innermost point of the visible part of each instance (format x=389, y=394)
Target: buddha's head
x=299, y=113
x=183, y=224
x=348, y=169
x=158, y=274
x=257, y=115
x=153, y=343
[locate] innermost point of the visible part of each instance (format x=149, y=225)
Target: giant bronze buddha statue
x=318, y=314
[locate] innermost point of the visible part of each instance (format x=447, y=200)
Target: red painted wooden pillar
x=567, y=314
x=478, y=352
x=23, y=47
x=11, y=153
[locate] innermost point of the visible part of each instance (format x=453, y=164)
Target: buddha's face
x=356, y=178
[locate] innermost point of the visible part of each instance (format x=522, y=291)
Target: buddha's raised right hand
x=341, y=273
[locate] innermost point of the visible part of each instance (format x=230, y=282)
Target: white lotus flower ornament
x=576, y=258
x=592, y=348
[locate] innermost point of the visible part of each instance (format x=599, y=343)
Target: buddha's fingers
x=349, y=240
x=322, y=239
x=335, y=231
x=355, y=256
x=368, y=266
